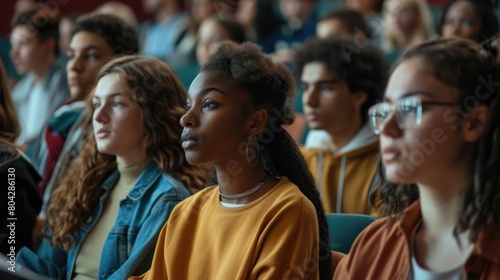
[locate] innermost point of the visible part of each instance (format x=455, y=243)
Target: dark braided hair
x=463, y=65
x=270, y=86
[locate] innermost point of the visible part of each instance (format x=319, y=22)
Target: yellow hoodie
x=345, y=179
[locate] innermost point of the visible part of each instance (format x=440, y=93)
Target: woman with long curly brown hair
x=439, y=142
x=103, y=221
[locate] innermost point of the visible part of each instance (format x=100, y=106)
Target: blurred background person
x=120, y=10
x=259, y=18
x=475, y=20
x=212, y=32
x=343, y=22
x=160, y=35
x=18, y=180
x=299, y=24
x=44, y=87
x=215, y=30
x=372, y=12
x=406, y=23
x=183, y=59
x=23, y=6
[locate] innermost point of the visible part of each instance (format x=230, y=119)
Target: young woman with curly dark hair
x=264, y=219
x=439, y=130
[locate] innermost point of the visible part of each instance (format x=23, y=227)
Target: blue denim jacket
x=129, y=248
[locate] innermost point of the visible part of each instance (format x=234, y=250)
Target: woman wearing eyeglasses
x=439, y=140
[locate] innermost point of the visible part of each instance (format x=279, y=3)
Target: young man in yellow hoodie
x=341, y=79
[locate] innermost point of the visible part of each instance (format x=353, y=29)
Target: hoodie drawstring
x=340, y=190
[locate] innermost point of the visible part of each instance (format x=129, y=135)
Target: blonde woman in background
x=406, y=23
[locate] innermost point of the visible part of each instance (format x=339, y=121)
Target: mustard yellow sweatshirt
x=274, y=237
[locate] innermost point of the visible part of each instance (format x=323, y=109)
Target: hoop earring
x=252, y=164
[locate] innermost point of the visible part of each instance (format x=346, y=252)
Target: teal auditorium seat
x=344, y=228
x=186, y=73
x=326, y=6
x=322, y=6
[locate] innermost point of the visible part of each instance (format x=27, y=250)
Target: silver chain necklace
x=245, y=193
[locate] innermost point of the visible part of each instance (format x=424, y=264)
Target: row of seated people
x=397, y=26
x=405, y=23
x=359, y=63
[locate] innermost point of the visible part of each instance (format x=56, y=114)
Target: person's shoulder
x=20, y=91
x=10, y=157
x=365, y=149
x=287, y=195
x=14, y=162
x=366, y=153
x=199, y=199
x=382, y=227
x=312, y=153
x=379, y=251
x=57, y=74
x=378, y=235
x=194, y=205
x=163, y=185
x=287, y=204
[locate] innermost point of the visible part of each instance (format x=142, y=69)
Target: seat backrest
x=344, y=228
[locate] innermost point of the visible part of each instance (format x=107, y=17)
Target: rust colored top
x=384, y=252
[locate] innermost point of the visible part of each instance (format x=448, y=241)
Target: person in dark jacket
x=19, y=199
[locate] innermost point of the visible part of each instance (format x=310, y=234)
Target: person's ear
x=359, y=98
x=258, y=121
x=473, y=125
